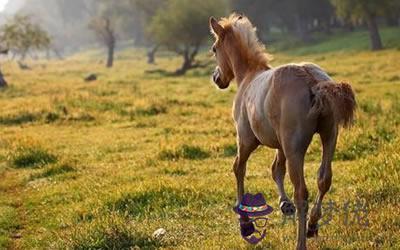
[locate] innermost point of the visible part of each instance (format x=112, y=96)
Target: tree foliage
x=21, y=35
x=366, y=11
x=299, y=17
x=361, y=9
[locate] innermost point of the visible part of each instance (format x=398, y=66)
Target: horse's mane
x=247, y=34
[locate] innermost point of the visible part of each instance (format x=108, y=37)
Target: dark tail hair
x=336, y=98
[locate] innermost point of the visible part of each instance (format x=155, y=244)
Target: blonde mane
x=247, y=34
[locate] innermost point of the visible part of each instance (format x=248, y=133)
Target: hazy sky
x=2, y=4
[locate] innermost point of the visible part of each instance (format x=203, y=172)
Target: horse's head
x=237, y=49
x=223, y=73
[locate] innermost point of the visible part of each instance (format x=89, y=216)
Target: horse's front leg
x=245, y=147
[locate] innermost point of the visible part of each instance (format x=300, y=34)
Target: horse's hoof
x=247, y=228
x=287, y=208
x=312, y=231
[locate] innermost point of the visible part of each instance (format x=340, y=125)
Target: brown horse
x=281, y=108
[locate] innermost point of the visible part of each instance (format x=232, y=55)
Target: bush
x=151, y=110
x=185, y=152
x=230, y=150
x=33, y=156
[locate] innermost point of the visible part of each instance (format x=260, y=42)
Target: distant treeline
x=181, y=25
x=302, y=18
x=67, y=20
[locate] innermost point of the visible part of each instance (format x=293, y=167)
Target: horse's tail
x=335, y=98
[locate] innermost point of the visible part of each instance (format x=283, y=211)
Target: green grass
x=108, y=233
x=8, y=224
x=103, y=165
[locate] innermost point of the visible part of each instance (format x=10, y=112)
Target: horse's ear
x=215, y=27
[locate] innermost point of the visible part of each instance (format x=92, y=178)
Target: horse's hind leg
x=296, y=173
x=295, y=145
x=328, y=133
x=278, y=174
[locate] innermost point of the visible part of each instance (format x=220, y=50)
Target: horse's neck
x=244, y=68
x=239, y=70
x=250, y=77
x=251, y=85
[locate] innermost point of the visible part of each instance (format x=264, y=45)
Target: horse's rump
x=327, y=96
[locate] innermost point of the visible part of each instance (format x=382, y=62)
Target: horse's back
x=297, y=73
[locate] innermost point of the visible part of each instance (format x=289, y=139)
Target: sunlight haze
x=3, y=4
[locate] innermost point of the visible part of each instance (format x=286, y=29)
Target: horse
x=281, y=108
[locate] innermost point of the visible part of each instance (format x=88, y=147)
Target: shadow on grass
x=43, y=116
x=192, y=71
x=58, y=169
x=19, y=119
x=161, y=72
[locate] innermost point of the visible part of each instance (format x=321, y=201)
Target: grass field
x=102, y=165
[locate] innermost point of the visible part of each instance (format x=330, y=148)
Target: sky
x=3, y=4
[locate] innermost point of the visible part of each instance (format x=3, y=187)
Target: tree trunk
x=23, y=55
x=348, y=26
x=187, y=63
x=3, y=83
x=58, y=54
x=301, y=29
x=110, y=56
x=188, y=59
x=376, y=42
x=151, y=55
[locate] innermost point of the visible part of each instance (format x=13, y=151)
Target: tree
x=182, y=27
x=112, y=18
x=104, y=30
x=368, y=11
x=148, y=9
x=20, y=35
